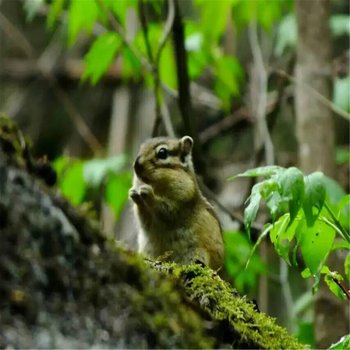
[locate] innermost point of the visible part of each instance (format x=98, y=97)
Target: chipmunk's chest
x=179, y=243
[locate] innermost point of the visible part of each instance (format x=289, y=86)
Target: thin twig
x=45, y=64
x=341, y=286
x=262, y=93
x=318, y=95
x=155, y=61
x=183, y=82
x=17, y=36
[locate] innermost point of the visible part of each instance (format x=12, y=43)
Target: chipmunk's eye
x=162, y=153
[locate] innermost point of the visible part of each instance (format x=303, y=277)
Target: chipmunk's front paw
x=140, y=194
x=145, y=191
x=133, y=193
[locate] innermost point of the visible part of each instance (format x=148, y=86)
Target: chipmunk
x=173, y=215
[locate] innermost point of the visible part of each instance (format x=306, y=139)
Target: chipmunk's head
x=163, y=161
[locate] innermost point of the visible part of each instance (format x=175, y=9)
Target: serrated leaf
x=82, y=16
x=314, y=196
x=315, y=244
x=100, y=56
x=291, y=183
x=252, y=209
x=96, y=170
x=116, y=192
x=265, y=171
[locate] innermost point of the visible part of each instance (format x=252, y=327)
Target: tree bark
x=64, y=284
x=315, y=130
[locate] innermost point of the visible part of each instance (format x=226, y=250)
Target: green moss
x=248, y=327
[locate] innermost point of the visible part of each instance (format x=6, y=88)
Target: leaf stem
x=344, y=233
x=259, y=240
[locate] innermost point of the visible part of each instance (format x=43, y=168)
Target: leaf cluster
x=77, y=180
x=308, y=213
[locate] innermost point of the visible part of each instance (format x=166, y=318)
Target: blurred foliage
x=308, y=213
x=77, y=177
x=237, y=252
x=342, y=344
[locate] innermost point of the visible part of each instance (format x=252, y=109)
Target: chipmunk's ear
x=186, y=143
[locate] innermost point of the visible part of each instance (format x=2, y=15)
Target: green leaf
x=259, y=240
x=273, y=203
x=229, y=74
x=342, y=154
x=116, y=192
x=237, y=251
x=291, y=183
x=32, y=7
x=334, y=191
x=333, y=286
x=306, y=273
x=341, y=93
x=100, y=56
x=252, y=209
x=340, y=24
x=213, y=19
x=266, y=171
x=286, y=34
x=72, y=184
x=342, y=344
x=283, y=233
x=268, y=12
x=306, y=332
x=343, y=208
x=315, y=244
x=347, y=266
x=96, y=170
x=131, y=65
x=55, y=10
x=314, y=196
x=167, y=66
x=120, y=8
x=82, y=16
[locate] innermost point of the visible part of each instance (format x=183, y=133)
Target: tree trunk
x=315, y=133
x=315, y=128
x=63, y=284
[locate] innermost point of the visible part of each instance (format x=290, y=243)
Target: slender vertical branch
x=184, y=100
x=261, y=107
x=155, y=61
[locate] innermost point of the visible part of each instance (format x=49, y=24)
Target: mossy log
x=64, y=284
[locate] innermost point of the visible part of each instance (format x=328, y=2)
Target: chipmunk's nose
x=138, y=166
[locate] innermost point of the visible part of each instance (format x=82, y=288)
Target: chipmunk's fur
x=173, y=215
